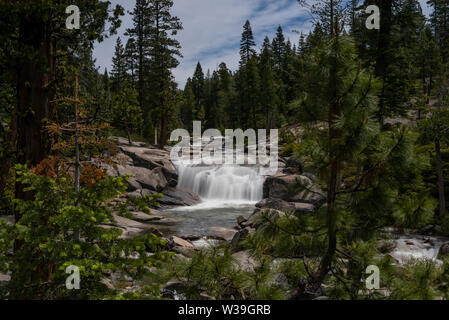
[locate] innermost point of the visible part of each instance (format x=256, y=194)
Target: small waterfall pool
x=226, y=193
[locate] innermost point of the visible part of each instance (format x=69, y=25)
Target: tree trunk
x=385, y=7
x=335, y=168
x=440, y=180
x=129, y=135
x=36, y=74
x=164, y=131
x=35, y=90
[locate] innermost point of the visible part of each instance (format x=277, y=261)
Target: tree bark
x=35, y=91
x=36, y=73
x=335, y=167
x=440, y=180
x=383, y=44
x=164, y=130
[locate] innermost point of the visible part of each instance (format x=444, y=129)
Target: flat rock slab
x=153, y=180
x=148, y=157
x=182, y=243
x=281, y=205
x=128, y=223
x=178, y=197
x=166, y=221
x=223, y=233
x=125, y=141
x=144, y=217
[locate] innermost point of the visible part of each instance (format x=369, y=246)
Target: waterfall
x=222, y=183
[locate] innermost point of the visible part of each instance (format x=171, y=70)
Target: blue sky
x=212, y=30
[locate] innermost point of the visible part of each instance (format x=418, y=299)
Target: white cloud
x=212, y=30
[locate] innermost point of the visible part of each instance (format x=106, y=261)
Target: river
x=226, y=192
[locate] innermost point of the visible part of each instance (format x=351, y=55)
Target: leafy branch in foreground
x=47, y=246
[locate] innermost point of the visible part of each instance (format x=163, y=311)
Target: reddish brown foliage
x=49, y=167
x=90, y=174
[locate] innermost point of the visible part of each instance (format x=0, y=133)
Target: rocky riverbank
x=152, y=171
x=289, y=190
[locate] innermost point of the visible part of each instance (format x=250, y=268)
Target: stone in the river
x=191, y=237
x=427, y=230
x=255, y=220
x=277, y=186
x=125, y=222
x=241, y=220
x=239, y=237
x=178, y=197
x=280, y=187
x=223, y=233
x=182, y=243
x=284, y=206
x=144, y=217
x=167, y=221
x=276, y=203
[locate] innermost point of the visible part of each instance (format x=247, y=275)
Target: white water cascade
x=227, y=183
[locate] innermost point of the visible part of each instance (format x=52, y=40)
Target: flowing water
x=226, y=193
x=409, y=247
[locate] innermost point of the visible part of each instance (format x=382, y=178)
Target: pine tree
x=435, y=129
x=247, y=44
x=164, y=49
x=279, y=48
x=249, y=94
x=131, y=60
x=198, y=86
x=188, y=106
x=358, y=165
x=226, y=96
x=118, y=73
x=429, y=64
x=35, y=35
x=126, y=111
x=140, y=34
x=400, y=75
x=268, y=95
x=440, y=21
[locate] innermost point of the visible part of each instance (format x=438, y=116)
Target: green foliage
x=436, y=126
x=126, y=110
x=419, y=280
x=44, y=245
x=215, y=272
